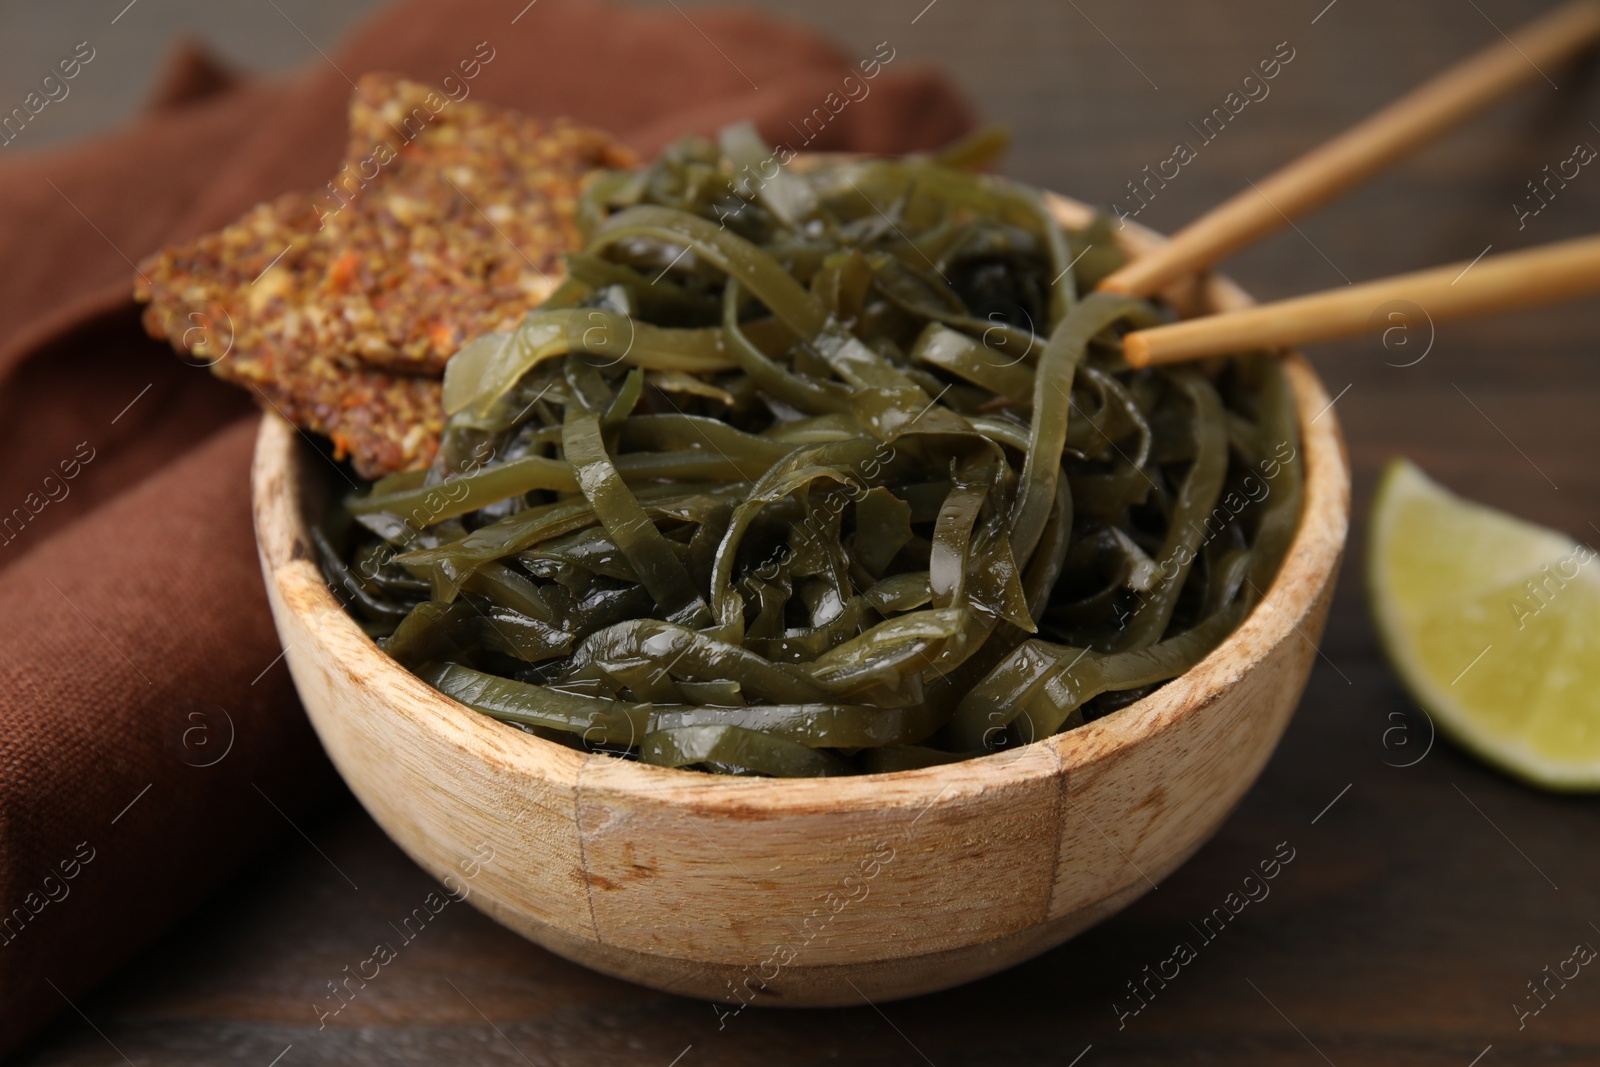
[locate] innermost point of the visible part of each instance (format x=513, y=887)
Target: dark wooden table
x=1426, y=891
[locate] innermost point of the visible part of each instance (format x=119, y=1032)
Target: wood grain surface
x=1424, y=892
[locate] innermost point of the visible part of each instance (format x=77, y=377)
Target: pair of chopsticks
x=1541, y=275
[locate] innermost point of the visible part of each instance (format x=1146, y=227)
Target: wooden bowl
x=816, y=891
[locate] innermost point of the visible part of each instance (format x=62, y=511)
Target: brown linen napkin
x=150, y=741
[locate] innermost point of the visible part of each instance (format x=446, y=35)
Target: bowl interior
x=295, y=498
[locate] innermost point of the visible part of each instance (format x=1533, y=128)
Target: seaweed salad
x=822, y=470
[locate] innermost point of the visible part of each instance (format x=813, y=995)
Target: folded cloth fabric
x=150, y=740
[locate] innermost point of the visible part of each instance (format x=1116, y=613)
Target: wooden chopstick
x=1409, y=122
x=1542, y=275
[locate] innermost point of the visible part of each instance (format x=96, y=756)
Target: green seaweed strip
x=659, y=570
x=736, y=746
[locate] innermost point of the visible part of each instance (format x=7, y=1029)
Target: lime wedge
x=1494, y=626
